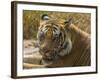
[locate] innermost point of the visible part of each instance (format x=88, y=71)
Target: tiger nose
x=49, y=33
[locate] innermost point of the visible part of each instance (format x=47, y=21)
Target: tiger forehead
x=52, y=21
x=52, y=26
x=49, y=33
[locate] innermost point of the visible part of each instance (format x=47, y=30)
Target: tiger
x=56, y=44
x=53, y=40
x=61, y=44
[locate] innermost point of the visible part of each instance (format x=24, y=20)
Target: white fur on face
x=67, y=49
x=56, y=32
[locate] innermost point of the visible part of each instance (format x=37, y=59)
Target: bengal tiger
x=62, y=44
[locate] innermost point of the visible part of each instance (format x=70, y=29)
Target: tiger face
x=53, y=40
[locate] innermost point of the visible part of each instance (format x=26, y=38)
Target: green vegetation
x=31, y=21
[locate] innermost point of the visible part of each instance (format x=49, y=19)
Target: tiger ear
x=68, y=22
x=44, y=17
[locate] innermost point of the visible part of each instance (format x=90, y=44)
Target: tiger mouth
x=54, y=54
x=53, y=57
x=49, y=59
x=45, y=57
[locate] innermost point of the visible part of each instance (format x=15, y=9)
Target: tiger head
x=54, y=41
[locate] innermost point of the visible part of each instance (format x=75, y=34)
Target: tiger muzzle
x=48, y=54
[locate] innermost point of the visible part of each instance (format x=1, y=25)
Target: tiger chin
x=53, y=40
